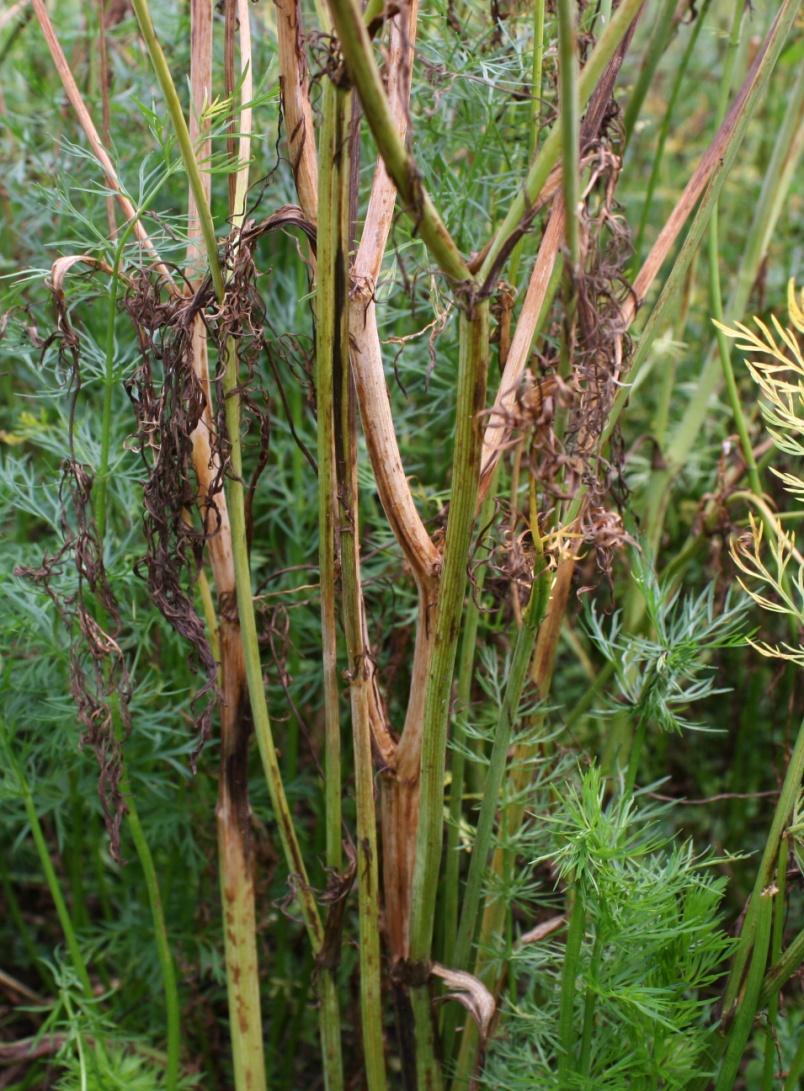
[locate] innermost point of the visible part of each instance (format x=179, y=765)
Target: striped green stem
x=715, y=297
x=777, y=934
x=784, y=808
x=783, y=969
x=572, y=955
x=537, y=74
x=327, y=334
x=570, y=126
x=52, y=880
x=463, y=698
x=474, y=350
x=166, y=964
x=744, y=1020
x=359, y=689
x=471, y=397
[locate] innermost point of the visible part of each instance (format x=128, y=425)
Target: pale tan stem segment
x=400, y=795
x=400, y=792
x=245, y=116
x=366, y=352
x=378, y=425
x=298, y=114
x=95, y=142
x=497, y=429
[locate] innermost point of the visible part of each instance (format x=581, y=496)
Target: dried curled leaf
x=471, y=993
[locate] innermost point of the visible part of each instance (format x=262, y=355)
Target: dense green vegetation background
x=718, y=737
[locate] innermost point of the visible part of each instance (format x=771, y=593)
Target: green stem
x=182, y=134
x=166, y=965
x=517, y=676
x=777, y=933
x=360, y=681
x=570, y=126
x=330, y=180
x=474, y=349
x=744, y=1019
x=472, y=373
x=635, y=756
x=663, y=25
x=537, y=74
x=715, y=297
x=572, y=954
x=591, y=694
x=784, y=807
x=53, y=885
x=357, y=52
x=428, y=1069
x=589, y=1004
x=463, y=694
x=76, y=854
x=549, y=153
x=784, y=968
x=359, y=673
x=776, y=183
x=664, y=130
x=796, y=1070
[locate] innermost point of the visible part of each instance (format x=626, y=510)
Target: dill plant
x=375, y=472
x=626, y=1001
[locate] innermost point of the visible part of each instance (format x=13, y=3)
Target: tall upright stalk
x=662, y=27
x=233, y=810
x=570, y=129
x=164, y=955
x=664, y=128
x=358, y=672
x=473, y=363
x=466, y=662
x=329, y=1019
x=327, y=348
x=52, y=880
x=715, y=297
x=327, y=343
x=572, y=952
x=537, y=66
x=784, y=807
